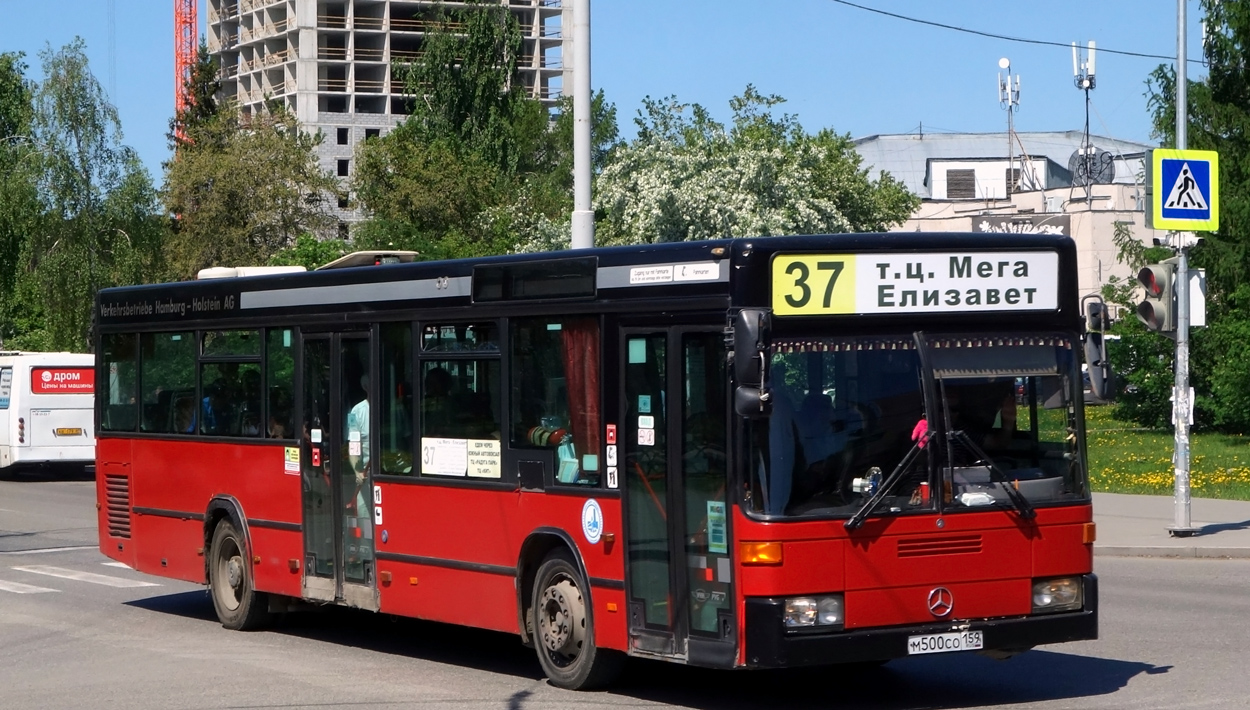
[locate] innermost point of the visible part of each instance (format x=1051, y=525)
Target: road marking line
x=41, y=550
x=19, y=588
x=84, y=576
x=123, y=565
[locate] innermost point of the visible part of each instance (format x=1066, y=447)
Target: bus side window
x=168, y=374
x=280, y=369
x=120, y=410
x=555, y=393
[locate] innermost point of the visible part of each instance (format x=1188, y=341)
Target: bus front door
x=336, y=463
x=674, y=419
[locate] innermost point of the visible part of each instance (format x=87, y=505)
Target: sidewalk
x=1136, y=526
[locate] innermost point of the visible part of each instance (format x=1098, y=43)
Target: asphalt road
x=74, y=633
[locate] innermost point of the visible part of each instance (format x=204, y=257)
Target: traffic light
x=1158, y=311
x=1096, y=362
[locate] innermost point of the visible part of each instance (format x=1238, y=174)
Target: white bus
x=47, y=404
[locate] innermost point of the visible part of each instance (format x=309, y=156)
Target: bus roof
x=714, y=273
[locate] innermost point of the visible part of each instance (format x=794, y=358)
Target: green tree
x=479, y=167
x=243, y=189
x=202, y=87
x=86, y=178
x=1218, y=118
x=687, y=176
x=20, y=211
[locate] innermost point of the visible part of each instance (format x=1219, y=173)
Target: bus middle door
x=336, y=462
x=674, y=418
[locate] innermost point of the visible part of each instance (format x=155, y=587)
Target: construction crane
x=186, y=31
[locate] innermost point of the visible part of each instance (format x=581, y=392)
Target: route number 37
x=811, y=284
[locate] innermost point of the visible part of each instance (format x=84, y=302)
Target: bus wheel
x=239, y=606
x=564, y=631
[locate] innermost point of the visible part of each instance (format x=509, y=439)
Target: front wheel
x=239, y=606
x=564, y=630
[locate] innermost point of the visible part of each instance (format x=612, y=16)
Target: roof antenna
x=1083, y=77
x=1009, y=100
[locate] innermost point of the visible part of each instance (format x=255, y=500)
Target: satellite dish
x=1091, y=166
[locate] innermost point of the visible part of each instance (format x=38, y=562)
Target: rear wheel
x=239, y=606
x=564, y=630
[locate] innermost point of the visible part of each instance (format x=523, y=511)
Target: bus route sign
x=1185, y=190
x=917, y=282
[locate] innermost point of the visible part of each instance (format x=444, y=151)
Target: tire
x=564, y=629
x=239, y=606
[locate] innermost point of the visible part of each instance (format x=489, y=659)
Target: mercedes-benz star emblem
x=941, y=601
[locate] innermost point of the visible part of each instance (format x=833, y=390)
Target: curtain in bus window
x=581, y=372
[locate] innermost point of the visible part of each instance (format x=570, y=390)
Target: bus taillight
x=21, y=430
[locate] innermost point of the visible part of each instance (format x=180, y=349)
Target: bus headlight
x=1059, y=594
x=806, y=612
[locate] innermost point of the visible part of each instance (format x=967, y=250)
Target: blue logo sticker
x=592, y=521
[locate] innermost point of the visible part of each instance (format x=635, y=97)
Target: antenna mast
x=1083, y=77
x=1009, y=100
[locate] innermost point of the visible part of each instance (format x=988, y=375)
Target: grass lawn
x=1126, y=459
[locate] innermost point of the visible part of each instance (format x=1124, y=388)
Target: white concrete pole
x=583, y=214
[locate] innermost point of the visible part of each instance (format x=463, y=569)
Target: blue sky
x=837, y=66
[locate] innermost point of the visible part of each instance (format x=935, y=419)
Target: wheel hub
x=234, y=572
x=555, y=621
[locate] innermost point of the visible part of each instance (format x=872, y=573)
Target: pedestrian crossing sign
x=1184, y=186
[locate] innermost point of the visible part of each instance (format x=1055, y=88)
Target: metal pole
x=583, y=222
x=1182, y=525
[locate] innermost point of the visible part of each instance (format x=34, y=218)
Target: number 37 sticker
x=811, y=284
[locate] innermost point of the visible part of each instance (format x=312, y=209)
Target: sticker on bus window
x=377, y=495
x=644, y=404
x=637, y=351
x=646, y=421
x=646, y=437
x=485, y=458
x=611, y=455
x=716, y=539
x=444, y=457
x=612, y=480
x=353, y=448
x=315, y=435
x=292, y=460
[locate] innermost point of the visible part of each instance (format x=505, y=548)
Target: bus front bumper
x=769, y=645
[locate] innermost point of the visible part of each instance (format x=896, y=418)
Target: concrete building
x=969, y=182
x=331, y=62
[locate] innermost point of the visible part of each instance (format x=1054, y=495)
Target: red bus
x=785, y=451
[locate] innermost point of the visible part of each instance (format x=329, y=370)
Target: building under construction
x=332, y=62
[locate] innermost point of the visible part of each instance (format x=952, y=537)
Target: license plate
x=65, y=431
x=945, y=643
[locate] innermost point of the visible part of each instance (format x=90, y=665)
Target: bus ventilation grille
x=117, y=497
x=932, y=546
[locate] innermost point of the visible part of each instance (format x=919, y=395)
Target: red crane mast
x=186, y=26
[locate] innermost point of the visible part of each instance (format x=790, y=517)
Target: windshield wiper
x=888, y=485
x=1022, y=504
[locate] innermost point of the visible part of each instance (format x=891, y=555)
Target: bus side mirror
x=751, y=334
x=752, y=398
x=753, y=402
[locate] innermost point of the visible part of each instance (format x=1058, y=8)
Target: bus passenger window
x=231, y=402
x=460, y=418
x=168, y=369
x=119, y=410
x=555, y=393
x=395, y=410
x=280, y=367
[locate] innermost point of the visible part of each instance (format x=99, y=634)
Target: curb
x=1178, y=551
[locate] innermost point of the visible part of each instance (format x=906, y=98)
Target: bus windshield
x=847, y=412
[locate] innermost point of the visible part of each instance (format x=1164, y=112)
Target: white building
x=963, y=180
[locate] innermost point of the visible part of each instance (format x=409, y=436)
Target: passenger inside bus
x=436, y=408
x=184, y=415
